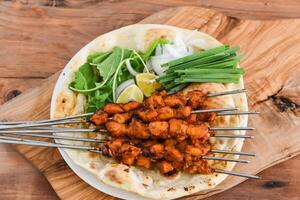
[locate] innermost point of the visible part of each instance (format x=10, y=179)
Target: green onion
x=195, y=56
x=217, y=65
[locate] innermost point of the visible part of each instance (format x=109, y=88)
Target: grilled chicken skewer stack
x=168, y=132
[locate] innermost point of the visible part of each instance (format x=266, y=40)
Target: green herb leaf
x=84, y=78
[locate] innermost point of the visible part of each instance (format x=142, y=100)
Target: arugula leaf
x=106, y=69
x=100, y=58
x=93, y=55
x=109, y=65
x=84, y=78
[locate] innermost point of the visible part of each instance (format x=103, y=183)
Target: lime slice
x=147, y=83
x=131, y=93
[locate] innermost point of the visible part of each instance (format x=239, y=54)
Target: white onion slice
x=158, y=50
x=130, y=69
x=157, y=61
x=190, y=35
x=124, y=85
x=149, y=66
x=199, y=43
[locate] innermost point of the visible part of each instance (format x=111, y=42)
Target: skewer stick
x=86, y=130
x=238, y=113
x=62, y=121
x=232, y=136
x=225, y=159
x=10, y=140
x=59, y=137
x=90, y=114
x=48, y=120
x=234, y=152
x=227, y=93
x=237, y=174
x=41, y=124
x=231, y=128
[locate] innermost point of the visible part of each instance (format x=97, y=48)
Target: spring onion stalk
x=219, y=65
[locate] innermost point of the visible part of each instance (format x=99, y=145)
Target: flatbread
x=145, y=183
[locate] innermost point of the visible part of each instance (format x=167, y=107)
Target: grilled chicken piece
x=165, y=113
x=116, y=129
x=138, y=129
x=196, y=131
x=157, y=151
x=122, y=117
x=199, y=167
x=111, y=148
x=155, y=100
x=206, y=117
x=195, y=99
x=170, y=142
x=183, y=112
x=147, y=114
x=197, y=151
x=175, y=100
x=173, y=154
x=129, y=154
x=143, y=161
x=131, y=106
x=178, y=129
x=192, y=119
x=165, y=167
x=113, y=108
x=99, y=118
x=159, y=129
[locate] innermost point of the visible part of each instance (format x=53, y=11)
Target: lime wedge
x=131, y=93
x=147, y=83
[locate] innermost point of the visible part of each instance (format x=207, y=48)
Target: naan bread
x=138, y=183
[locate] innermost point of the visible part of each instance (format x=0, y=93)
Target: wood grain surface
x=279, y=182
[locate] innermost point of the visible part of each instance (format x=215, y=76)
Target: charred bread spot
x=93, y=154
x=171, y=174
x=92, y=165
x=189, y=188
x=171, y=189
x=112, y=176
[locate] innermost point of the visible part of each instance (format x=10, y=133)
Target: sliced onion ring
x=124, y=85
x=130, y=69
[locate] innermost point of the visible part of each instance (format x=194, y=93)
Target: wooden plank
x=218, y=25
x=273, y=9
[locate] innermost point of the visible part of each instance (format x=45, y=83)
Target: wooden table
x=21, y=34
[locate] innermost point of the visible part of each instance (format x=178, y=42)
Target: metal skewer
x=237, y=174
x=41, y=124
x=62, y=121
x=227, y=93
x=102, y=141
x=13, y=140
x=48, y=120
x=90, y=114
x=225, y=159
x=59, y=137
x=238, y=113
x=234, y=152
x=80, y=130
x=231, y=128
x=232, y=136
